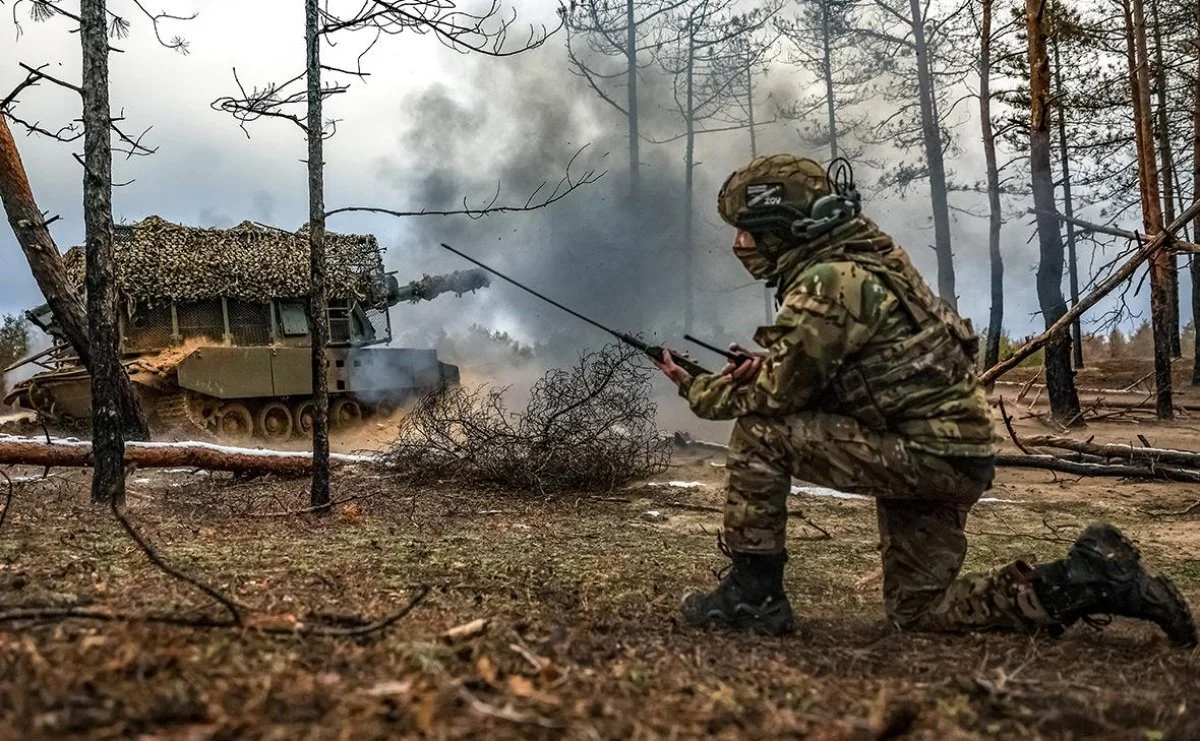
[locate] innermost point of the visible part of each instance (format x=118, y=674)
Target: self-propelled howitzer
x=215, y=332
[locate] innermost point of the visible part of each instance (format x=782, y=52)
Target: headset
x=843, y=203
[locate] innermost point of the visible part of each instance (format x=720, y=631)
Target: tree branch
x=564, y=188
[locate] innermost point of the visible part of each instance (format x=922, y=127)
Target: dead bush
x=586, y=428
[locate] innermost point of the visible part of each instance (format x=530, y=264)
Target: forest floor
x=581, y=597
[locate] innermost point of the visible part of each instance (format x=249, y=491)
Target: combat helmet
x=785, y=200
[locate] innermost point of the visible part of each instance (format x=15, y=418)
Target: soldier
x=868, y=385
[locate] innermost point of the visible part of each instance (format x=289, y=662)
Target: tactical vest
x=924, y=383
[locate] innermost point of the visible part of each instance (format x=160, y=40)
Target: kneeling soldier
x=868, y=385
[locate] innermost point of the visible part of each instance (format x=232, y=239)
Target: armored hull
x=240, y=393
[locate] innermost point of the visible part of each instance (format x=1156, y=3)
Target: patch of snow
x=824, y=491
x=30, y=479
x=72, y=442
x=677, y=484
x=653, y=515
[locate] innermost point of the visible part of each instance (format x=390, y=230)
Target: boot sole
x=749, y=618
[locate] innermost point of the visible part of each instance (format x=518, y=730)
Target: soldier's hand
x=667, y=365
x=744, y=371
x=737, y=349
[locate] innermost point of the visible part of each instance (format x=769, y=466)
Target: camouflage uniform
x=868, y=385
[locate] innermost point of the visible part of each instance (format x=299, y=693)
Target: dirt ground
x=581, y=594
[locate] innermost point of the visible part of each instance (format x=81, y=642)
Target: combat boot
x=749, y=597
x=1103, y=575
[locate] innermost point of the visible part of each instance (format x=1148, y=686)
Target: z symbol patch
x=764, y=194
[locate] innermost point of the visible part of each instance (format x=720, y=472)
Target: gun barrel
x=432, y=286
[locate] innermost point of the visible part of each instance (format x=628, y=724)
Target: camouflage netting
x=157, y=260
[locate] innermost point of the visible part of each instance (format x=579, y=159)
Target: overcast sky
x=427, y=124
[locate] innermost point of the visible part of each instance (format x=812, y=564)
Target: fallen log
x=1144, y=252
x=1078, y=468
x=1117, y=450
x=78, y=453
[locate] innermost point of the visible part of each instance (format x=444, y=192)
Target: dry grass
x=583, y=642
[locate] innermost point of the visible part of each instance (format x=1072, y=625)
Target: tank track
x=176, y=411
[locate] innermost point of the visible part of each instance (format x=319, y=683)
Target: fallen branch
x=1119, y=470
x=1194, y=506
x=78, y=453
x=1011, y=432
x=1144, y=252
x=234, y=614
x=1146, y=455
x=299, y=629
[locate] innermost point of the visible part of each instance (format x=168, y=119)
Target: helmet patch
x=764, y=194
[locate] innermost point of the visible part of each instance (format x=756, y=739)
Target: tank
x=215, y=333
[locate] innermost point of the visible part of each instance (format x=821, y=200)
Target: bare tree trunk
x=1160, y=279
x=1195, y=261
x=1064, y=156
x=938, y=191
x=768, y=299
x=108, y=377
x=1168, y=176
x=827, y=70
x=1060, y=377
x=632, y=107
x=33, y=235
x=318, y=303
x=750, y=110
x=995, y=217
x=689, y=288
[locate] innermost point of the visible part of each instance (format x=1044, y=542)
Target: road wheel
x=275, y=421
x=302, y=418
x=234, y=422
x=344, y=413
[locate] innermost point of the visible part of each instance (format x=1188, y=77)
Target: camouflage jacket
x=859, y=333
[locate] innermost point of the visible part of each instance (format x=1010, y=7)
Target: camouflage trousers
x=922, y=501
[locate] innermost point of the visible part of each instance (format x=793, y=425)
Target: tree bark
x=1168, y=178
x=995, y=217
x=932, y=136
x=1060, y=377
x=1132, y=453
x=318, y=303
x=1064, y=156
x=1078, y=468
x=46, y=264
x=165, y=455
x=39, y=247
x=1160, y=270
x=108, y=377
x=1195, y=261
x=632, y=105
